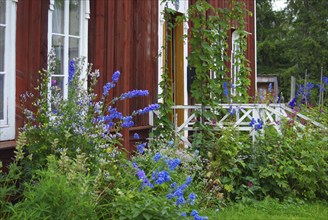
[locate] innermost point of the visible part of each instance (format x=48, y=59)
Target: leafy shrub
x=292, y=164
x=58, y=193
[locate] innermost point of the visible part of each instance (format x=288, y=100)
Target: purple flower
x=116, y=76
x=134, y=93
x=140, y=147
x=157, y=157
x=71, y=71
x=53, y=82
x=261, y=94
x=136, y=136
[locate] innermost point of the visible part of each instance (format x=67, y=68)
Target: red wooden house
x=125, y=35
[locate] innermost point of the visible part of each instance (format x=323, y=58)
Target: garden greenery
x=70, y=163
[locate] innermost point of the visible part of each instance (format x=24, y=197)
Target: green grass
x=272, y=209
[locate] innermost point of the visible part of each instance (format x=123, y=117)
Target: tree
x=293, y=40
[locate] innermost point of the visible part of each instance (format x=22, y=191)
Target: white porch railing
x=237, y=116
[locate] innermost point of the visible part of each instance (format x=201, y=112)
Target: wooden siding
x=31, y=48
x=123, y=36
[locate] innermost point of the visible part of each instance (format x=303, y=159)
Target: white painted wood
x=7, y=126
x=269, y=114
x=83, y=37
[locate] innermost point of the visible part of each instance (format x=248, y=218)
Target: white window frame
x=83, y=43
x=234, y=68
x=7, y=125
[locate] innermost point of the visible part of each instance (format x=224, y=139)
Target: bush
x=56, y=193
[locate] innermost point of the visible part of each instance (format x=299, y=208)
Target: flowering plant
x=81, y=123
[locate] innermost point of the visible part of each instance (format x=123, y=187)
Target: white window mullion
x=7, y=125
x=66, y=46
x=74, y=42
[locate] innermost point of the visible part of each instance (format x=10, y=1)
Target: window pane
x=58, y=82
x=73, y=48
x=58, y=45
x=74, y=17
x=2, y=11
x=2, y=49
x=58, y=17
x=2, y=85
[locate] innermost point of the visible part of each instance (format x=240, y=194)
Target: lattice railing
x=237, y=116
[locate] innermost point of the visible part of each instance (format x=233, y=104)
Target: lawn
x=271, y=209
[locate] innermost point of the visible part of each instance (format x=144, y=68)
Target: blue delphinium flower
x=149, y=108
x=325, y=80
x=108, y=87
x=136, y=136
x=172, y=163
x=134, y=93
x=184, y=214
x=292, y=103
x=161, y=177
x=180, y=200
x=116, y=76
x=141, y=147
x=232, y=110
x=193, y=213
x=113, y=113
x=71, y=71
x=256, y=124
x=157, y=157
x=270, y=87
x=145, y=181
x=225, y=89
x=127, y=122
x=261, y=94
x=173, y=185
x=192, y=197
x=170, y=143
x=188, y=180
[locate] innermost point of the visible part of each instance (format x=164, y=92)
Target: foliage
x=292, y=41
x=209, y=51
x=61, y=191
x=84, y=174
x=156, y=184
x=81, y=123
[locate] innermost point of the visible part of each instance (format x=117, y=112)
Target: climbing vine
x=209, y=56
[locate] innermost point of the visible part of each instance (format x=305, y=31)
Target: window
x=7, y=69
x=235, y=47
x=68, y=36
